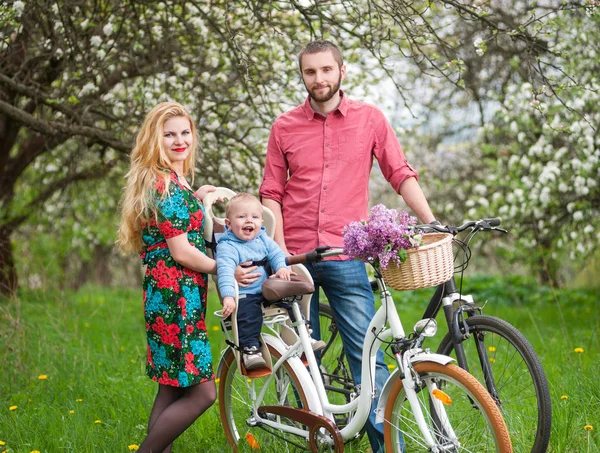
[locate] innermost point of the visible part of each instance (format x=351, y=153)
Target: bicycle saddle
x=276, y=288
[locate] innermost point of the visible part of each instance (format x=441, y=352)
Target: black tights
x=174, y=410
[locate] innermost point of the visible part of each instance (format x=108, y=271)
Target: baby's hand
x=283, y=273
x=228, y=305
x=204, y=190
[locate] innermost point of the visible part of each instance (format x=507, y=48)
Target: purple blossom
x=380, y=237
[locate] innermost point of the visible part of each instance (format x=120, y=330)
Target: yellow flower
x=97, y=422
x=42, y=377
x=578, y=350
x=492, y=348
x=588, y=427
x=564, y=397
x=71, y=411
x=217, y=380
x=391, y=366
x=13, y=408
x=79, y=400
x=492, y=360
x=99, y=363
x=87, y=324
x=215, y=328
x=35, y=451
x=132, y=361
x=2, y=443
x=133, y=447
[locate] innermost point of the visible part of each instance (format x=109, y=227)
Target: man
x=316, y=177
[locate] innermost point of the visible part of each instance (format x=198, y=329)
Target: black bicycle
x=489, y=348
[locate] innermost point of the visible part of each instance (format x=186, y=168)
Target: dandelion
x=79, y=400
x=391, y=366
x=492, y=348
x=13, y=408
x=578, y=350
x=35, y=451
x=215, y=328
x=97, y=422
x=132, y=361
x=588, y=427
x=71, y=411
x=492, y=360
x=217, y=380
x=564, y=397
x=2, y=443
x=133, y=447
x=42, y=377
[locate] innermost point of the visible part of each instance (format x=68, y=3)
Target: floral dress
x=175, y=296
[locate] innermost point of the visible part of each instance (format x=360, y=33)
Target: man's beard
x=327, y=95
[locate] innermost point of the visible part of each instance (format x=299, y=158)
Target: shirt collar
x=310, y=113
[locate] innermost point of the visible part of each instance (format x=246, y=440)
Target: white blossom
x=96, y=41
x=18, y=7
x=108, y=29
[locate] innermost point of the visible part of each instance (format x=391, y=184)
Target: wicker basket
x=429, y=265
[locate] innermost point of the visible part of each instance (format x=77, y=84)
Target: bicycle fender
x=387, y=388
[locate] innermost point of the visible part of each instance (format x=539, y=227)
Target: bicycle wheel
x=236, y=397
x=334, y=366
x=445, y=393
x=521, y=386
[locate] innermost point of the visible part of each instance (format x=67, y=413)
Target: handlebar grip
x=493, y=222
x=296, y=259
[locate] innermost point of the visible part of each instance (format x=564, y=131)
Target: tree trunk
x=8, y=272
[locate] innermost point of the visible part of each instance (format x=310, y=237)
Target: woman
x=162, y=219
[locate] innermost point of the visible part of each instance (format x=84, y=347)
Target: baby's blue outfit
x=231, y=251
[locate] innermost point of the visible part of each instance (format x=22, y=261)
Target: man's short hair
x=318, y=46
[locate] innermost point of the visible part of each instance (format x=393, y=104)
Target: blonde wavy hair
x=149, y=161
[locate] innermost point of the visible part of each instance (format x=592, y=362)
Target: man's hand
x=228, y=305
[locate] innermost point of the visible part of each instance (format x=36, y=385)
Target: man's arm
x=414, y=197
x=278, y=235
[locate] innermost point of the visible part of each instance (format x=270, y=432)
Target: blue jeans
x=348, y=290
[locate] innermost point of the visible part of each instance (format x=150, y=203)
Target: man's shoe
x=253, y=358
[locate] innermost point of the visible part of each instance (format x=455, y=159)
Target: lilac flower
x=382, y=238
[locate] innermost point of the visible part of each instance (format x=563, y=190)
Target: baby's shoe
x=253, y=358
x=317, y=345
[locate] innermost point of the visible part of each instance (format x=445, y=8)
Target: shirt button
x=326, y=124
x=327, y=145
x=322, y=210
x=320, y=231
x=327, y=166
x=324, y=187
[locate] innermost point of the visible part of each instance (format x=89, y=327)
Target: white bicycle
x=427, y=405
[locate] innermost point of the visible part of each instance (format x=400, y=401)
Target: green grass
x=91, y=346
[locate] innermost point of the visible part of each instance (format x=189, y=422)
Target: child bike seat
x=276, y=288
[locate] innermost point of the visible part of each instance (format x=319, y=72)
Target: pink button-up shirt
x=318, y=169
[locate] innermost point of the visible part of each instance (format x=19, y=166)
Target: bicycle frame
x=444, y=297
x=313, y=384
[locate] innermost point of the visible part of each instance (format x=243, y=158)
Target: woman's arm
x=189, y=256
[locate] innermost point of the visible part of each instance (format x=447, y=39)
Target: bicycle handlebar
x=479, y=225
x=324, y=251
x=314, y=256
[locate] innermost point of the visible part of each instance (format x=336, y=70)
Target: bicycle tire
x=511, y=359
x=476, y=421
x=235, y=406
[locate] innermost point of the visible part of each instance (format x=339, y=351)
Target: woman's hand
x=228, y=306
x=204, y=190
x=245, y=275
